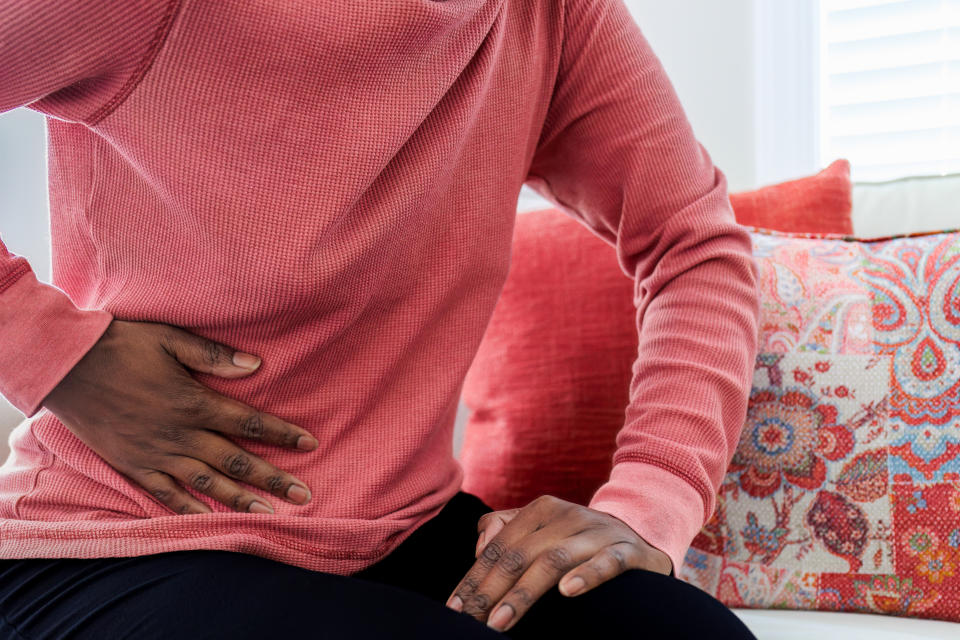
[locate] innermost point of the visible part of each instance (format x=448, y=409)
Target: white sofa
x=821, y=625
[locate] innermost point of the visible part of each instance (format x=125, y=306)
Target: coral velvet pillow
x=844, y=492
x=822, y=203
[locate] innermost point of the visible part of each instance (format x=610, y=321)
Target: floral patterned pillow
x=844, y=492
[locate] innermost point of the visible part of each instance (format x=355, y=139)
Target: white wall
x=23, y=188
x=707, y=48
x=24, y=223
x=708, y=51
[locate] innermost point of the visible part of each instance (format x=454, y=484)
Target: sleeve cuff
x=663, y=508
x=43, y=336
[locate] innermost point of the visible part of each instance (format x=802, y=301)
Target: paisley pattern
x=844, y=491
x=916, y=320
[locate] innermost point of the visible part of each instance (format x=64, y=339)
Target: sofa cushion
x=908, y=205
x=803, y=625
x=820, y=203
x=546, y=390
x=844, y=493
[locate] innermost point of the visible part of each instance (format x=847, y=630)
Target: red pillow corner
x=821, y=203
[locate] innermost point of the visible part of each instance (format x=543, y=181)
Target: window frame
x=788, y=60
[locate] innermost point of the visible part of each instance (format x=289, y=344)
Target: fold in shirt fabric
x=332, y=186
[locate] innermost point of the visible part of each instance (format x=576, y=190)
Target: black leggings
x=224, y=594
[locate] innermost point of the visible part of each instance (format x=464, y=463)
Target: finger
x=168, y=493
x=235, y=418
x=235, y=463
x=201, y=354
x=607, y=563
x=543, y=556
x=490, y=524
x=206, y=480
x=525, y=521
x=559, y=557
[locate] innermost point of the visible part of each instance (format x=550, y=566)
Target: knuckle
x=251, y=425
x=540, y=501
x=173, y=433
x=477, y=603
x=521, y=595
x=183, y=509
x=600, y=572
x=213, y=352
x=468, y=587
x=557, y=559
x=619, y=557
x=546, y=501
x=513, y=562
x=189, y=402
x=492, y=553
x=162, y=495
x=277, y=485
x=201, y=481
x=237, y=465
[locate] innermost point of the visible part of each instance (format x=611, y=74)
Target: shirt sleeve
x=617, y=153
x=73, y=60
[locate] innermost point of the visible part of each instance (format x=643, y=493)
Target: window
x=890, y=86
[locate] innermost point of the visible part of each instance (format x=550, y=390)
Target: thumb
x=201, y=354
x=490, y=524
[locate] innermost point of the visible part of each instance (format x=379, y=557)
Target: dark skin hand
x=522, y=553
x=132, y=400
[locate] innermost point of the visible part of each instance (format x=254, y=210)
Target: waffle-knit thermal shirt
x=332, y=186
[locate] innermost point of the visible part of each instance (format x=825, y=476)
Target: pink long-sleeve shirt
x=332, y=186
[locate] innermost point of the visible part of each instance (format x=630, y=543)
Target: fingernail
x=298, y=493
x=501, y=617
x=245, y=360
x=483, y=534
x=259, y=507
x=307, y=443
x=573, y=586
x=455, y=603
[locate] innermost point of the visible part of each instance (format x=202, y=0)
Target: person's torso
x=330, y=186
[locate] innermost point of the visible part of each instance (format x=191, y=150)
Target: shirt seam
x=183, y=531
x=156, y=43
x=18, y=272
x=546, y=127
x=106, y=533
x=45, y=465
x=706, y=496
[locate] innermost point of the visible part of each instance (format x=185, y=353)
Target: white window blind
x=890, y=86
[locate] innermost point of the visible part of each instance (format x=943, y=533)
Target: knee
x=667, y=604
x=633, y=602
